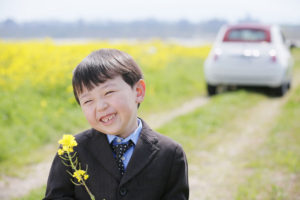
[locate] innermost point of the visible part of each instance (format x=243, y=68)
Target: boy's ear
x=140, y=88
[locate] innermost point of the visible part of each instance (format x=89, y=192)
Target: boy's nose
x=102, y=105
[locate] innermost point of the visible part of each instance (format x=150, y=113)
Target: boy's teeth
x=106, y=119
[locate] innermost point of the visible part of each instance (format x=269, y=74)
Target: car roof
x=249, y=26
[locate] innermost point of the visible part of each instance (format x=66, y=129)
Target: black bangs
x=88, y=76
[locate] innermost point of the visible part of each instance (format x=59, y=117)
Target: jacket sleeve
x=178, y=187
x=59, y=185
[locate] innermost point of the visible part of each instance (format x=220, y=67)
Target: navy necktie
x=119, y=150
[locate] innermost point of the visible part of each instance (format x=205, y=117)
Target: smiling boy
x=109, y=87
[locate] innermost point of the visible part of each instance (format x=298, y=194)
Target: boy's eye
x=85, y=102
x=109, y=92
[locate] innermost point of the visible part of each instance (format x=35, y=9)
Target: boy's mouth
x=107, y=118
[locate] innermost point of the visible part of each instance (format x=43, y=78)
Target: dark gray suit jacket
x=157, y=170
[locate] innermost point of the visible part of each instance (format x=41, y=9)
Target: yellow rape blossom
x=44, y=103
x=68, y=142
x=49, y=65
x=60, y=152
x=80, y=175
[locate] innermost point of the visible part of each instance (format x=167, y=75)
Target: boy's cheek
x=87, y=113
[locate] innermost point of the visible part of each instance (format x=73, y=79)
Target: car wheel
x=289, y=85
x=281, y=90
x=211, y=89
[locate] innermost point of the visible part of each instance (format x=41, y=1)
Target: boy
x=109, y=87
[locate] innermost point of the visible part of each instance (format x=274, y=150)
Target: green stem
x=82, y=181
x=71, y=161
x=87, y=189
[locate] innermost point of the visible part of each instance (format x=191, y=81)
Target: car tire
x=281, y=90
x=211, y=89
x=289, y=85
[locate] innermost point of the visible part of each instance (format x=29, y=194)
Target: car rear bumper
x=271, y=76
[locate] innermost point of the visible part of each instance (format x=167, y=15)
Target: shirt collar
x=133, y=136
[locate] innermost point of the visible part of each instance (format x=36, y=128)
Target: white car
x=249, y=55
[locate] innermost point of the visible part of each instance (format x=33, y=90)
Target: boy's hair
x=102, y=65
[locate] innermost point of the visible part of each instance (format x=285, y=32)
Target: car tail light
x=217, y=54
x=273, y=55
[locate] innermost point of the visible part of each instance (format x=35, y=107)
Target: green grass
x=179, y=81
x=27, y=125
x=35, y=194
x=259, y=187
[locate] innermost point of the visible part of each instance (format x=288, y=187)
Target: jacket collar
x=143, y=153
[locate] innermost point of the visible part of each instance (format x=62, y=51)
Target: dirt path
x=220, y=170
x=11, y=187
x=157, y=120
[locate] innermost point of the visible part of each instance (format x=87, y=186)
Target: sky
x=268, y=11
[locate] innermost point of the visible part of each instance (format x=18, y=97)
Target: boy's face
x=111, y=107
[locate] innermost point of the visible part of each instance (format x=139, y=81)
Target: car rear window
x=247, y=35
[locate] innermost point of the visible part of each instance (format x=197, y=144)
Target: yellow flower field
x=47, y=64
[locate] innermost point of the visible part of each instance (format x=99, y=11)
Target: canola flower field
x=36, y=98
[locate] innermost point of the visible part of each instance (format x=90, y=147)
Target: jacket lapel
x=100, y=149
x=144, y=151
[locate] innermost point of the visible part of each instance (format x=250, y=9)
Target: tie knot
x=120, y=149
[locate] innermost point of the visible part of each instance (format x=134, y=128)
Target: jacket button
x=123, y=191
